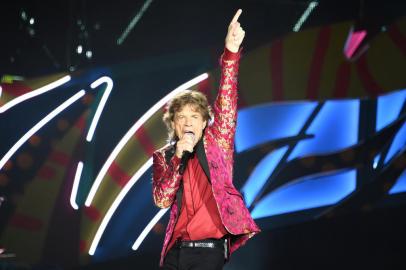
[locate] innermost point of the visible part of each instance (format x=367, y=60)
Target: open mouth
x=189, y=132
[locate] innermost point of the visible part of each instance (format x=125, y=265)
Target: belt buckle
x=204, y=244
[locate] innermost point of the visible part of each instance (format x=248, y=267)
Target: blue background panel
x=306, y=194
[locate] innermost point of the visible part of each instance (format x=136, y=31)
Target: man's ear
x=205, y=124
x=173, y=125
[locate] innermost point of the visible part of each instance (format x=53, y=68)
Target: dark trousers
x=194, y=259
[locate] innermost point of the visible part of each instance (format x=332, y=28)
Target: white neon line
x=101, y=105
x=116, y=203
x=34, y=93
x=75, y=186
x=148, y=228
x=133, y=22
x=130, y=133
x=304, y=16
x=39, y=125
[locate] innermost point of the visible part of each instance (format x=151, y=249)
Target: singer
x=208, y=218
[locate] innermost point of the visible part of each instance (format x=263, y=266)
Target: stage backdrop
x=318, y=135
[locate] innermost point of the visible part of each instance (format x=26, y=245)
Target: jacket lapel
x=201, y=156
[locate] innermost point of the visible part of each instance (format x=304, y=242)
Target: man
x=193, y=176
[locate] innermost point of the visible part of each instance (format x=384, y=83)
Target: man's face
x=187, y=119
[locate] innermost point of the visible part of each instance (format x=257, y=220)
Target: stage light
x=39, y=125
x=1, y=91
x=133, y=22
x=23, y=15
x=32, y=21
x=79, y=49
x=31, y=31
x=10, y=78
x=376, y=161
x=353, y=43
x=305, y=15
x=75, y=186
x=89, y=54
x=96, y=26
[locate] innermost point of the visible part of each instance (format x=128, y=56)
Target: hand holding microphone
x=184, y=149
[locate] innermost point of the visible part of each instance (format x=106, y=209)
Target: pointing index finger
x=236, y=16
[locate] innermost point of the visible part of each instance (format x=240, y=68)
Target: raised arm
x=225, y=106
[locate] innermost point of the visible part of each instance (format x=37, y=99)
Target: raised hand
x=235, y=34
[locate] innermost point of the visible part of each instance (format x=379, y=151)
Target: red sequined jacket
x=216, y=157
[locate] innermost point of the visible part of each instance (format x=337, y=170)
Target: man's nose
x=188, y=122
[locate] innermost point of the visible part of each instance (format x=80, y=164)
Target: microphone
x=186, y=155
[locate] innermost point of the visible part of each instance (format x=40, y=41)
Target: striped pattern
x=311, y=65
x=28, y=227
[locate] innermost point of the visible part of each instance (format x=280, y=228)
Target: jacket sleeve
x=225, y=105
x=165, y=179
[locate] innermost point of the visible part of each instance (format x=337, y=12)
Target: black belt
x=207, y=243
